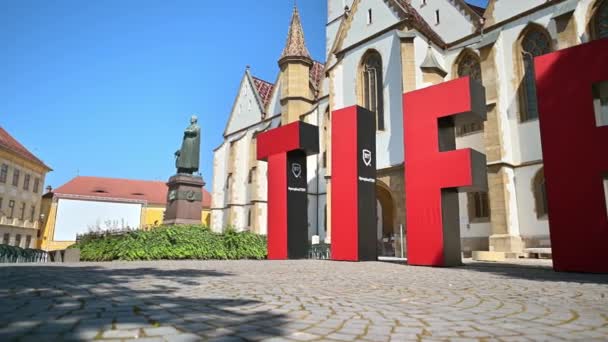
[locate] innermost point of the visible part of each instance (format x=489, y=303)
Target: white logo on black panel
x=366, y=155
x=296, y=169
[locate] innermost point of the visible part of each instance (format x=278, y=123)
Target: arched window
x=371, y=84
x=535, y=42
x=600, y=21
x=468, y=65
x=540, y=194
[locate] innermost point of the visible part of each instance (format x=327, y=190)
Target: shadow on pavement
x=534, y=272
x=88, y=302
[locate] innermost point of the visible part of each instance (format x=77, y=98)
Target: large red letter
x=434, y=171
x=286, y=148
x=353, y=192
x=575, y=155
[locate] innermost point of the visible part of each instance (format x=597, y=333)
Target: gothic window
x=373, y=98
x=16, y=177
x=535, y=42
x=600, y=21
x=3, y=173
x=540, y=194
x=468, y=65
x=479, y=206
x=26, y=182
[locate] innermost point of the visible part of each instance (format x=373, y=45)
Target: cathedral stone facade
x=375, y=51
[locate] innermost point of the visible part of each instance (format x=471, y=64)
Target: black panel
x=366, y=167
x=297, y=206
x=309, y=138
x=451, y=227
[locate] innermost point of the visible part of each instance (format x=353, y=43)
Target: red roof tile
x=154, y=192
x=316, y=73
x=9, y=143
x=264, y=90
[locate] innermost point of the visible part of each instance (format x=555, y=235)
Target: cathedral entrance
x=389, y=237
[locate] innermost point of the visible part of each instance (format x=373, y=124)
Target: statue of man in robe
x=187, y=158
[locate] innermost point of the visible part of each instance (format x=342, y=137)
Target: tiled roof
x=295, y=45
x=408, y=11
x=316, y=73
x=264, y=90
x=154, y=192
x=11, y=144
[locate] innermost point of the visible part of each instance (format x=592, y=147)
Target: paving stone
x=121, y=334
x=183, y=338
x=161, y=331
x=302, y=300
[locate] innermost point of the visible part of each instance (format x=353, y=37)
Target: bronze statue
x=186, y=159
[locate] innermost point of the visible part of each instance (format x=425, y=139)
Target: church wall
x=525, y=135
x=382, y=18
x=582, y=17
x=531, y=227
x=335, y=8
x=452, y=22
x=218, y=196
x=504, y=9
x=389, y=143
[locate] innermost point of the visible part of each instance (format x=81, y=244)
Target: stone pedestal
x=502, y=246
x=184, y=199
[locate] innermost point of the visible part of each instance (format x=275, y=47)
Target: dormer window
x=369, y=16
x=437, y=17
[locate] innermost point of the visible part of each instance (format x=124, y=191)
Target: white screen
x=78, y=217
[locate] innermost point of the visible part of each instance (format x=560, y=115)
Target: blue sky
x=106, y=88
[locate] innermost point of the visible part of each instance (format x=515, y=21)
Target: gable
x=359, y=26
x=274, y=105
x=246, y=109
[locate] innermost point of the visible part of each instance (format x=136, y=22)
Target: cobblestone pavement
x=299, y=301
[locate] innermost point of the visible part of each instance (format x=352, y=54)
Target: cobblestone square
x=299, y=301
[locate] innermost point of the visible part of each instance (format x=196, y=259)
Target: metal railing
x=321, y=251
x=13, y=254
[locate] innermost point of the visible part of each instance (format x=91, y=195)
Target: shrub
x=172, y=242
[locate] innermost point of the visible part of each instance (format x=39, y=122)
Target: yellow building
x=87, y=204
x=21, y=181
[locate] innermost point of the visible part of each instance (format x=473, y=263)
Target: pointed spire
x=295, y=45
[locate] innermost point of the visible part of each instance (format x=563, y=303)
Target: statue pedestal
x=184, y=199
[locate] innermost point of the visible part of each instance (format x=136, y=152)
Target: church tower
x=295, y=64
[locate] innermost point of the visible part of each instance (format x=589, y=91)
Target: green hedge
x=172, y=242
